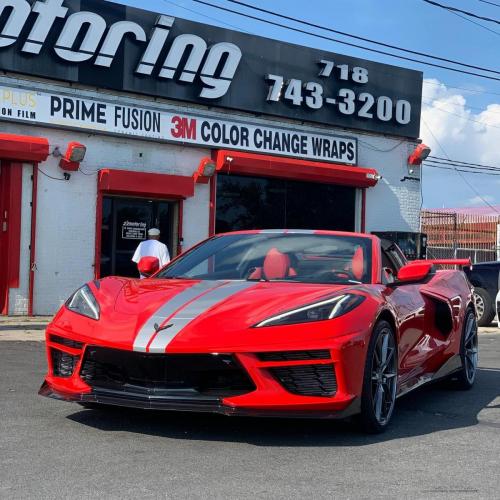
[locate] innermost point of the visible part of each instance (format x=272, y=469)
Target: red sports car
x=271, y=323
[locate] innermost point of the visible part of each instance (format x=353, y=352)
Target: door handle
x=4, y=226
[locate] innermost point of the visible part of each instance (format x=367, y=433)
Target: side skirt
x=451, y=366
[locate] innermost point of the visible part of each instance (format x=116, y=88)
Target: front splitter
x=199, y=404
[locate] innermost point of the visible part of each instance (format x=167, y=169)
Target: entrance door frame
x=127, y=183
x=176, y=219
x=16, y=150
x=10, y=230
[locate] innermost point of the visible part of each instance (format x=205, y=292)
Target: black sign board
x=112, y=46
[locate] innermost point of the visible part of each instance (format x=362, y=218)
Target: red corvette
x=271, y=323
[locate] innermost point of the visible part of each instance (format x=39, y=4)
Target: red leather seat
x=276, y=266
x=358, y=264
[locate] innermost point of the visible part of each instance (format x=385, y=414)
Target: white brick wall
x=67, y=210
x=394, y=204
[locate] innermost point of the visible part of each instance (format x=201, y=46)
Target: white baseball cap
x=154, y=232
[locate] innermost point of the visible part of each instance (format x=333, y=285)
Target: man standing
x=152, y=247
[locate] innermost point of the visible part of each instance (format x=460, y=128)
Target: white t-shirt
x=152, y=248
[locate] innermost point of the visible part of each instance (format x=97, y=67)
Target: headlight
x=319, y=311
x=83, y=302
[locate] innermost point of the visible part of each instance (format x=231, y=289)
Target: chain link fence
x=460, y=235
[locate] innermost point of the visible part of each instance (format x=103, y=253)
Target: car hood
x=199, y=315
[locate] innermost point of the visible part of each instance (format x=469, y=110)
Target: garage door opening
x=247, y=202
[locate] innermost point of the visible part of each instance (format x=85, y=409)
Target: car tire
x=484, y=307
x=379, y=384
x=468, y=352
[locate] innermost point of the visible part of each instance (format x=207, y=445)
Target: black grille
x=66, y=342
x=63, y=364
x=164, y=374
x=293, y=355
x=307, y=380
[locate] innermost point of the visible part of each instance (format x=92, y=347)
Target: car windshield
x=293, y=257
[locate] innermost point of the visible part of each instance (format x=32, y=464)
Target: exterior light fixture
x=74, y=155
x=374, y=177
x=421, y=152
x=205, y=171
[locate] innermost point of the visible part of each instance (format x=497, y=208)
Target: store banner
x=112, y=46
x=66, y=111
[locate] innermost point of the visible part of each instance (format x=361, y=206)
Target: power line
x=317, y=35
x=457, y=170
x=491, y=3
x=467, y=89
x=471, y=169
x=466, y=12
x=50, y=177
x=427, y=165
x=483, y=110
x=349, y=35
x=474, y=22
x=463, y=162
x=205, y=15
x=460, y=116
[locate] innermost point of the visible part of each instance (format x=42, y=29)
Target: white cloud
x=480, y=200
x=453, y=129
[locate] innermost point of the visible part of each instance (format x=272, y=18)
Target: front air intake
x=307, y=380
x=218, y=375
x=63, y=364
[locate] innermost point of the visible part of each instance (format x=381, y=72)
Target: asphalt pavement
x=443, y=443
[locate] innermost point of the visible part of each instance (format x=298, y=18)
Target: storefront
x=114, y=120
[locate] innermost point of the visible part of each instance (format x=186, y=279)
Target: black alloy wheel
x=380, y=379
x=469, y=351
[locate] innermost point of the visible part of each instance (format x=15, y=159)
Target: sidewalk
x=20, y=328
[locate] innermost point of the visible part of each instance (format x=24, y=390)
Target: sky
x=460, y=113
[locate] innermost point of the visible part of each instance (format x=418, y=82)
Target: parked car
x=498, y=306
x=484, y=278
x=270, y=323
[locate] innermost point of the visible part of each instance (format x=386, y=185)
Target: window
x=307, y=258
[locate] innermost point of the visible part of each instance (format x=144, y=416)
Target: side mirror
x=414, y=272
x=148, y=266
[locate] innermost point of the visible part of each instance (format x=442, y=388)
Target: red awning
x=23, y=148
x=145, y=184
x=291, y=168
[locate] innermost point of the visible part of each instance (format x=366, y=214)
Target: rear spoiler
x=444, y=262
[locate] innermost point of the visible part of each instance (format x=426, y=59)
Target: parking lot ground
x=442, y=443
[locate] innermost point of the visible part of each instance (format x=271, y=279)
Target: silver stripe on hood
x=166, y=310
x=194, y=310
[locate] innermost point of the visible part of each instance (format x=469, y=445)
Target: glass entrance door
x=270, y=203
x=125, y=223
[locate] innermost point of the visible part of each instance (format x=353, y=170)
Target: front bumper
x=185, y=403
x=269, y=395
